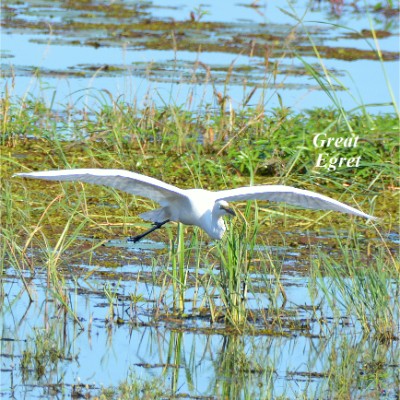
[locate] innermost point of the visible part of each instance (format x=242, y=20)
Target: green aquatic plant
x=135, y=387
x=111, y=293
x=43, y=353
x=179, y=264
x=235, y=254
x=365, y=286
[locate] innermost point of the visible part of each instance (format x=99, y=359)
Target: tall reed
x=179, y=270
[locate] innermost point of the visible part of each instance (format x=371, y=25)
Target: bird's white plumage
x=198, y=207
x=129, y=182
x=290, y=195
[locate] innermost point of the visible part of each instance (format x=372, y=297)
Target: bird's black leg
x=156, y=225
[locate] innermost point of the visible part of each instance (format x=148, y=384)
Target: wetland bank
x=291, y=303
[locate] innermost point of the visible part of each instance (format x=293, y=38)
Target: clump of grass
x=18, y=240
x=135, y=387
x=356, y=368
x=233, y=277
x=111, y=294
x=366, y=287
x=235, y=253
x=43, y=353
x=181, y=265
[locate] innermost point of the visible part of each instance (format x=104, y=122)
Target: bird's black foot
x=156, y=225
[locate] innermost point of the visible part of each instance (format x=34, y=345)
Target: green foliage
x=235, y=253
x=42, y=354
x=135, y=388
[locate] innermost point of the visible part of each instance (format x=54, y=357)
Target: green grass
x=362, y=285
x=134, y=387
x=235, y=254
x=274, y=149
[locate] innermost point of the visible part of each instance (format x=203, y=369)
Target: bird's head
x=218, y=228
x=222, y=208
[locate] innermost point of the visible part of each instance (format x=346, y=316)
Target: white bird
x=199, y=207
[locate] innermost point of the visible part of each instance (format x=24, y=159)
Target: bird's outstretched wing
x=130, y=182
x=289, y=195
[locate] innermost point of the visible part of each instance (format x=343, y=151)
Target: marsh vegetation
x=290, y=304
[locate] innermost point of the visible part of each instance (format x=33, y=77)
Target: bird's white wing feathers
x=163, y=193
x=289, y=195
x=130, y=182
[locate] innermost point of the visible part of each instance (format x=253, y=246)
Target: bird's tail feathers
x=157, y=215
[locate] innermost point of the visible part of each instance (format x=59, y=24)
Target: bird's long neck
x=218, y=228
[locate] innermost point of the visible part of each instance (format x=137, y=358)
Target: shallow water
x=73, y=70
x=188, y=353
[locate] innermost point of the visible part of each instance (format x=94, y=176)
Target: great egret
x=199, y=207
